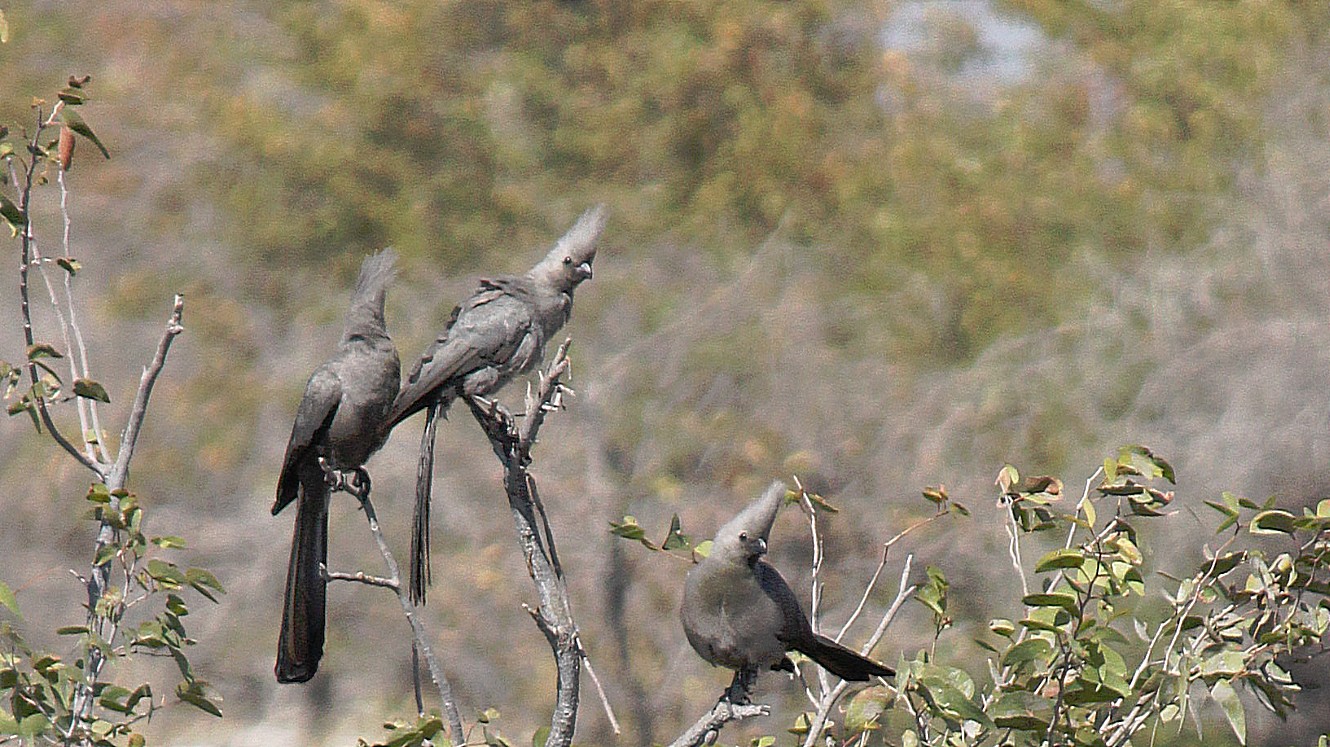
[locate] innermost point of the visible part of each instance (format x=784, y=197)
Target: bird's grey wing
x=323, y=393
x=795, y=629
x=487, y=330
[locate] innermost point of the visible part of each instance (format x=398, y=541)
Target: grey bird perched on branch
x=498, y=333
x=739, y=613
x=338, y=425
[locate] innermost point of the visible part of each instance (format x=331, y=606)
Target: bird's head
x=569, y=262
x=754, y=547
x=744, y=538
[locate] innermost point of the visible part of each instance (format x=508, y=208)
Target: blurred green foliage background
x=875, y=244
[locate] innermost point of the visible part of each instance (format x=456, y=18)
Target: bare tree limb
x=120, y=472
x=99, y=579
x=512, y=443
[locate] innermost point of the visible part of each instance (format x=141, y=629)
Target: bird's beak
x=584, y=271
x=760, y=546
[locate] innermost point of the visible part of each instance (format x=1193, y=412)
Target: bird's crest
x=569, y=262
x=366, y=312
x=755, y=521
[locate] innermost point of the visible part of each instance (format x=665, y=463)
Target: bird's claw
x=359, y=486
x=332, y=477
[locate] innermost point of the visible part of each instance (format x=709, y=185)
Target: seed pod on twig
x=66, y=148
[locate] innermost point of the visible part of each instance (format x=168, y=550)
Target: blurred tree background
x=875, y=244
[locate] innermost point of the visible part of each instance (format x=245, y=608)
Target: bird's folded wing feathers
x=323, y=394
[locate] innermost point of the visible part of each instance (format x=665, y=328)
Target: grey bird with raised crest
x=738, y=612
x=499, y=333
x=338, y=424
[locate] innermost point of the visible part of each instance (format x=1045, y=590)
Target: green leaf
x=4, y=28
x=676, y=539
x=936, y=495
x=168, y=542
x=630, y=529
x=1028, y=650
x=8, y=600
x=42, y=350
x=1002, y=626
x=821, y=503
x=1224, y=663
x=952, y=702
x=104, y=554
x=1055, y=599
x=10, y=212
x=1021, y=710
x=204, y=583
x=69, y=265
x=1228, y=700
x=33, y=725
x=703, y=549
x=90, y=389
x=75, y=122
x=1060, y=558
x=541, y=736
x=1272, y=521
x=196, y=694
x=71, y=630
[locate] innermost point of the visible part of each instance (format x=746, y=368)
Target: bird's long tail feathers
x=844, y=663
x=301, y=643
x=420, y=563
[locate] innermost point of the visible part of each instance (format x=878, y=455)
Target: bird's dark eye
x=743, y=536
x=567, y=260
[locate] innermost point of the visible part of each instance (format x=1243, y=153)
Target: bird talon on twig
x=359, y=487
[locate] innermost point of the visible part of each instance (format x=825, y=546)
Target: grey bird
x=739, y=613
x=498, y=333
x=338, y=425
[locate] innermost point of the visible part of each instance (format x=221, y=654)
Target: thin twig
x=146, y=382
x=600, y=690
x=882, y=564
x=819, y=719
x=103, y=452
x=419, y=638
x=360, y=577
x=815, y=608
x=27, y=241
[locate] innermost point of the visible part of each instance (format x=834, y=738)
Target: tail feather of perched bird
x=841, y=661
x=739, y=612
x=420, y=566
x=497, y=334
x=338, y=424
x=300, y=644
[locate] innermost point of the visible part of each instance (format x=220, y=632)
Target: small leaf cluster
x=1103, y=648
x=52, y=698
x=48, y=385
x=430, y=729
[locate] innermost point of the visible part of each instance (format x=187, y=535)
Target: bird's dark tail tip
x=845, y=663
x=300, y=644
x=420, y=541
